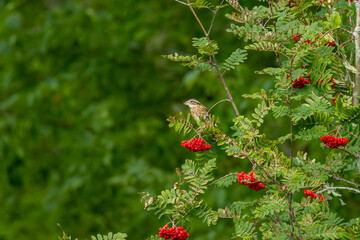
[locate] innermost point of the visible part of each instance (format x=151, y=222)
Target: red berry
x=299, y=83
x=313, y=195
x=195, y=145
x=173, y=233
x=334, y=142
x=250, y=181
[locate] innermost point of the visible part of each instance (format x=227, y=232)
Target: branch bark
x=356, y=86
x=334, y=188
x=356, y=33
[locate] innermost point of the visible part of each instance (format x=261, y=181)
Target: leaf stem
x=213, y=19
x=217, y=180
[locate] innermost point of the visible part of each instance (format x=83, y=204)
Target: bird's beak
x=186, y=103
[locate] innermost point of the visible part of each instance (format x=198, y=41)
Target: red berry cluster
x=331, y=81
x=330, y=43
x=334, y=142
x=195, y=145
x=299, y=83
x=309, y=42
x=173, y=233
x=352, y=0
x=250, y=181
x=313, y=195
x=296, y=37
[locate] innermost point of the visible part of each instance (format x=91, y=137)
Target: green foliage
x=347, y=114
x=84, y=95
x=352, y=230
x=269, y=205
x=310, y=107
x=198, y=177
x=313, y=133
x=265, y=46
x=190, y=61
x=311, y=74
x=316, y=119
x=227, y=181
x=281, y=111
x=243, y=230
x=205, y=47
x=260, y=112
x=202, y=4
x=209, y=216
x=110, y=236
x=180, y=123
x=194, y=179
x=236, y=57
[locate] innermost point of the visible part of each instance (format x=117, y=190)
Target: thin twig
x=225, y=86
x=340, y=46
x=281, y=223
x=198, y=20
x=213, y=19
x=348, y=152
x=334, y=188
x=292, y=215
x=344, y=180
x=65, y=235
x=338, y=28
x=291, y=120
x=289, y=234
x=181, y=2
x=217, y=104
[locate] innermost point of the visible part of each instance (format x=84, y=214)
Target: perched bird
x=197, y=110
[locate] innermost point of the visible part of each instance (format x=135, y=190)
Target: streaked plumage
x=197, y=110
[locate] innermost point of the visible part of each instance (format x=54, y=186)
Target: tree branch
x=217, y=104
x=356, y=33
x=292, y=216
x=334, y=188
x=344, y=180
x=213, y=19
x=356, y=86
x=198, y=20
x=181, y=2
x=279, y=221
x=225, y=86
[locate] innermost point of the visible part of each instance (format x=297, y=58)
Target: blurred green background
x=84, y=97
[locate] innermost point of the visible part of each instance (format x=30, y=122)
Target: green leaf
x=237, y=57
x=227, y=181
x=204, y=46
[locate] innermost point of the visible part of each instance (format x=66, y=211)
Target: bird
x=198, y=110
